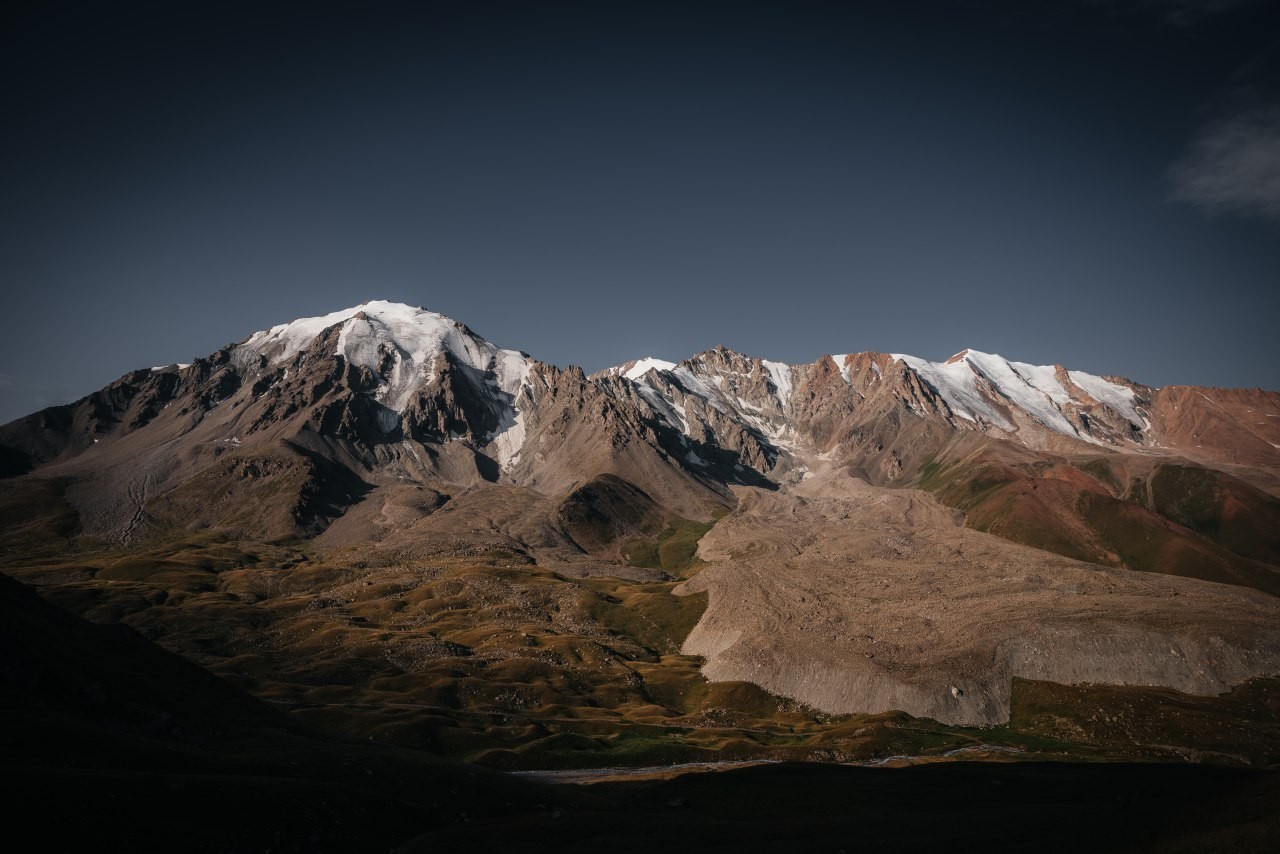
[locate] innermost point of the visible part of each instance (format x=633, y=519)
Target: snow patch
x=957, y=384
x=844, y=368
x=648, y=363
x=509, y=438
x=1033, y=389
x=665, y=408
x=1120, y=398
x=694, y=384
x=780, y=373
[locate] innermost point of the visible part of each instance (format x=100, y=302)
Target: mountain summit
x=404, y=359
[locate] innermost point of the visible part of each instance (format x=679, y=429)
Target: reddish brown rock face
x=1231, y=426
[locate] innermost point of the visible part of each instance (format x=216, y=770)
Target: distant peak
x=637, y=368
x=399, y=343
x=958, y=357
x=388, y=305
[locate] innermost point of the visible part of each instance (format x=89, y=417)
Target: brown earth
x=1132, y=510
x=447, y=640
x=1234, y=428
x=854, y=598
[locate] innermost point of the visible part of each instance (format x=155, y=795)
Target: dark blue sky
x=1093, y=183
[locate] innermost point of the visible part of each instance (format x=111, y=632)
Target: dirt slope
x=855, y=598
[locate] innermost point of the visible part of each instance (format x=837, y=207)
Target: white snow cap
x=1034, y=389
x=780, y=373
x=412, y=338
x=841, y=361
x=654, y=377
x=643, y=366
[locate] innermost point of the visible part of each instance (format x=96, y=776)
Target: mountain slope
x=392, y=438
x=111, y=741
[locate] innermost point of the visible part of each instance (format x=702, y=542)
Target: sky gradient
x=1095, y=184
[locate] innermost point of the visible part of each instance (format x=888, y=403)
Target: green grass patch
x=1100, y=470
x=931, y=476
x=674, y=550
x=35, y=517
x=1137, y=492
x=649, y=614
x=965, y=484
x=1135, y=722
x=1189, y=496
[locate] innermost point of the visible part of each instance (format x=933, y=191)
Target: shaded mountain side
x=14, y=462
x=113, y=743
x=587, y=530
x=282, y=491
x=1222, y=508
x=298, y=478
x=280, y=455
x=130, y=403
x=81, y=676
x=240, y=443
x=581, y=429
x=601, y=514
x=965, y=806
x=36, y=520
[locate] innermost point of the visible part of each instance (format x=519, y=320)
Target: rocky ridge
x=396, y=429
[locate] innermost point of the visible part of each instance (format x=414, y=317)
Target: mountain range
x=864, y=534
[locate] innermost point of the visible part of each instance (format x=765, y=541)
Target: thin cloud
x=1186, y=12
x=1233, y=167
x=1182, y=13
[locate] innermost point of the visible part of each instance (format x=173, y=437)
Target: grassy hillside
x=495, y=659
x=1174, y=519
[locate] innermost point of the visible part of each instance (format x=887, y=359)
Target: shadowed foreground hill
x=112, y=744
x=953, y=806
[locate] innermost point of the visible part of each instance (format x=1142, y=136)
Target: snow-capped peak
x=400, y=344
x=411, y=337
x=643, y=366
x=964, y=381
x=637, y=368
